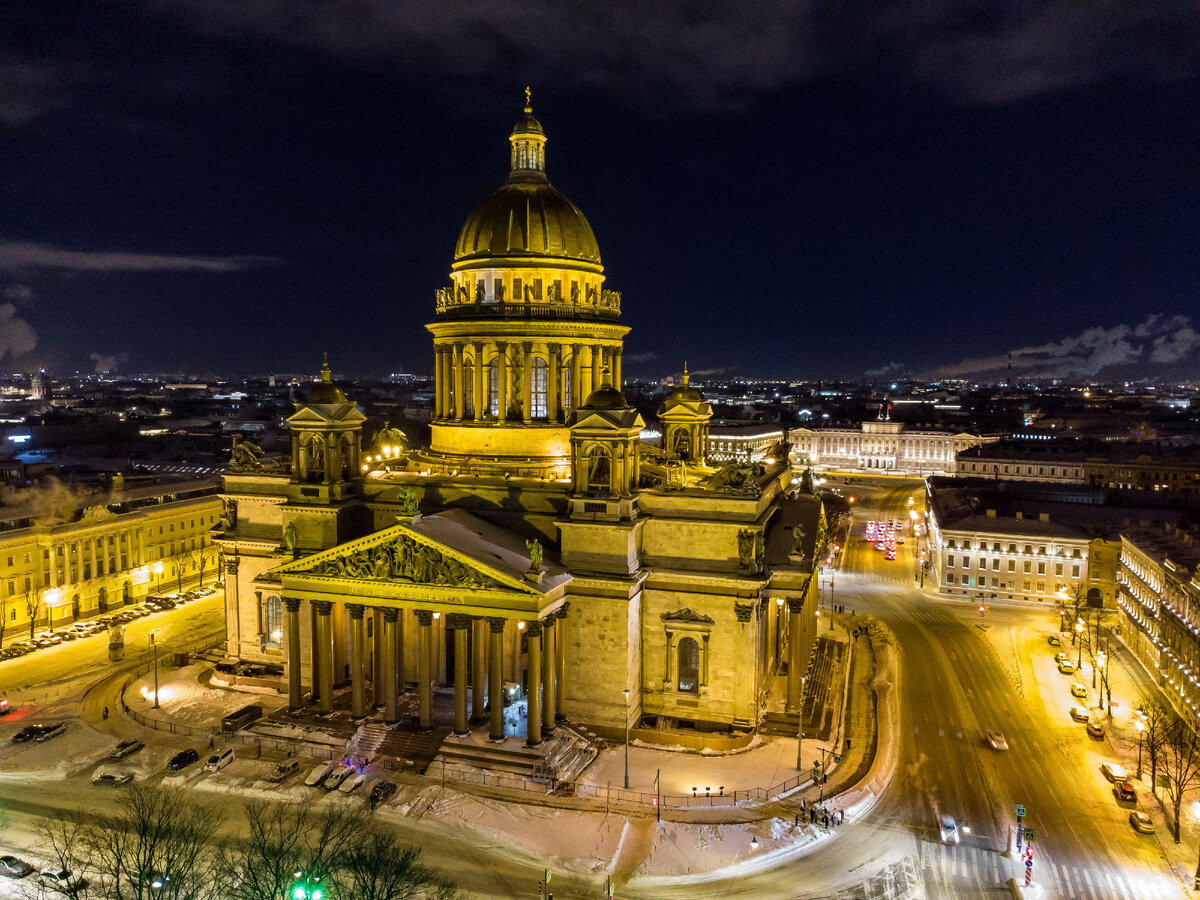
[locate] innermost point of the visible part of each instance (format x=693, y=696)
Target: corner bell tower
x=523, y=330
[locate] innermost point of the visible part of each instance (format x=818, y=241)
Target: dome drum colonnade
x=526, y=330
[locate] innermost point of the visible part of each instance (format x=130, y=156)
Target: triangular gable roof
x=606, y=419
x=324, y=414
x=401, y=554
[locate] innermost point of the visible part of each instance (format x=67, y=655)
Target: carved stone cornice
x=687, y=615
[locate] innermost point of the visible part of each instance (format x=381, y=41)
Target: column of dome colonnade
x=523, y=330
x=478, y=675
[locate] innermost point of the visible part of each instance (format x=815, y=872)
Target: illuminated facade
x=881, y=446
x=536, y=541
x=105, y=556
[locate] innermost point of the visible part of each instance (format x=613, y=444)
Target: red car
x=1124, y=792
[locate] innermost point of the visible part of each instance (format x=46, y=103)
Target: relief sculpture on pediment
x=403, y=559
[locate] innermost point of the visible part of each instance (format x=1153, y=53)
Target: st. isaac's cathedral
x=537, y=550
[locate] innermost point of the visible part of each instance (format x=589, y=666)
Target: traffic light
x=307, y=887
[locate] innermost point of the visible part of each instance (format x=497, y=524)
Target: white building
x=881, y=445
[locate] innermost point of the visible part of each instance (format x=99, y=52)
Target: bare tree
x=1157, y=717
x=1181, y=765
x=377, y=867
x=63, y=839
x=33, y=604
x=286, y=843
x=157, y=844
x=4, y=602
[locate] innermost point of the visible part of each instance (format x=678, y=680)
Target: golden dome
x=527, y=217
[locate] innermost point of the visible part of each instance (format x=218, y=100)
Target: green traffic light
x=317, y=894
x=298, y=892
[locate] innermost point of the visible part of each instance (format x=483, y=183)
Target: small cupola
x=528, y=146
x=684, y=417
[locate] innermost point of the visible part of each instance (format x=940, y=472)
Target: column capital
x=231, y=565
x=533, y=629
x=549, y=621
x=389, y=614
x=356, y=610
x=458, y=620
x=323, y=607
x=795, y=605
x=496, y=624
x=561, y=612
x=291, y=604
x=424, y=616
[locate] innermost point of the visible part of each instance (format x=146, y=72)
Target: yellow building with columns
x=535, y=545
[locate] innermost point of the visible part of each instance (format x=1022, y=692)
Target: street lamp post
x=1079, y=655
x=1196, y=815
x=800, y=727
x=1141, y=726
x=154, y=644
x=626, y=693
x=158, y=570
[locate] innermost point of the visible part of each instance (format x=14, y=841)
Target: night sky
x=782, y=190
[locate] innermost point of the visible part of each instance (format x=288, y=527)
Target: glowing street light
x=626, y=693
x=1079, y=655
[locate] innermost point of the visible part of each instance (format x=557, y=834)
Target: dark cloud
x=724, y=54
x=891, y=370
x=107, y=362
x=31, y=88
x=1171, y=339
x=21, y=256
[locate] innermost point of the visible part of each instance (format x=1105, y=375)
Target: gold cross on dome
x=527, y=101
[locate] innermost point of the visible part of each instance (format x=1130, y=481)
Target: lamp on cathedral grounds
x=626, y=693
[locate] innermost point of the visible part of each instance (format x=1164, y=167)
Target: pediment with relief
x=397, y=555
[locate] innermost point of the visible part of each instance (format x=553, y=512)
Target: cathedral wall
x=603, y=643
x=727, y=689
x=687, y=542
x=503, y=441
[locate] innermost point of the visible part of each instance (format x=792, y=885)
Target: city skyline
x=182, y=180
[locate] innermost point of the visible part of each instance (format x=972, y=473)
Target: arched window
x=539, y=387
x=468, y=388
x=599, y=466
x=689, y=666
x=102, y=599
x=272, y=622
x=493, y=388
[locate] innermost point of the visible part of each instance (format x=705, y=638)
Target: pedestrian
x=812, y=815
x=104, y=715
x=825, y=820
x=841, y=816
x=802, y=804
x=796, y=823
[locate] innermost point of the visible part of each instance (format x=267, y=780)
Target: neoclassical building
x=535, y=548
x=882, y=445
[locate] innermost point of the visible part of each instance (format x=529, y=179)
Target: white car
x=350, y=784
x=949, y=830
x=335, y=779
x=59, y=879
x=1114, y=772
x=319, y=773
x=108, y=775
x=1079, y=714
x=219, y=760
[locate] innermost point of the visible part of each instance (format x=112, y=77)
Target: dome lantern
x=528, y=146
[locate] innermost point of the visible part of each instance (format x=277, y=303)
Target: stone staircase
x=375, y=740
x=559, y=758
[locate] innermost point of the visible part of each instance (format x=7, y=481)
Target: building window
x=950, y=560
x=1012, y=565
x=1041, y=568
x=493, y=388
x=273, y=622
x=468, y=388
x=1028, y=567
x=1026, y=584
x=1074, y=571
x=949, y=578
x=983, y=581
x=539, y=386
x=598, y=470
x=568, y=385
x=996, y=565
x=689, y=666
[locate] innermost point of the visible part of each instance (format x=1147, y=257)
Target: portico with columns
x=486, y=586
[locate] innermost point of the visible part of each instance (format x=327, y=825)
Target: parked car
x=1124, y=792
x=219, y=760
x=59, y=879
x=351, y=783
x=1141, y=822
x=11, y=867
x=319, y=773
x=335, y=778
x=1079, y=714
x=5, y=709
x=1095, y=729
x=183, y=759
x=1114, y=772
x=113, y=777
x=285, y=770
x=37, y=732
x=996, y=740
x=1066, y=667
x=125, y=748
x=1079, y=691
x=51, y=730
x=381, y=792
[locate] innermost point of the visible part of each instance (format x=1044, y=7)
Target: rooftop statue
x=736, y=478
x=246, y=456
x=535, y=554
